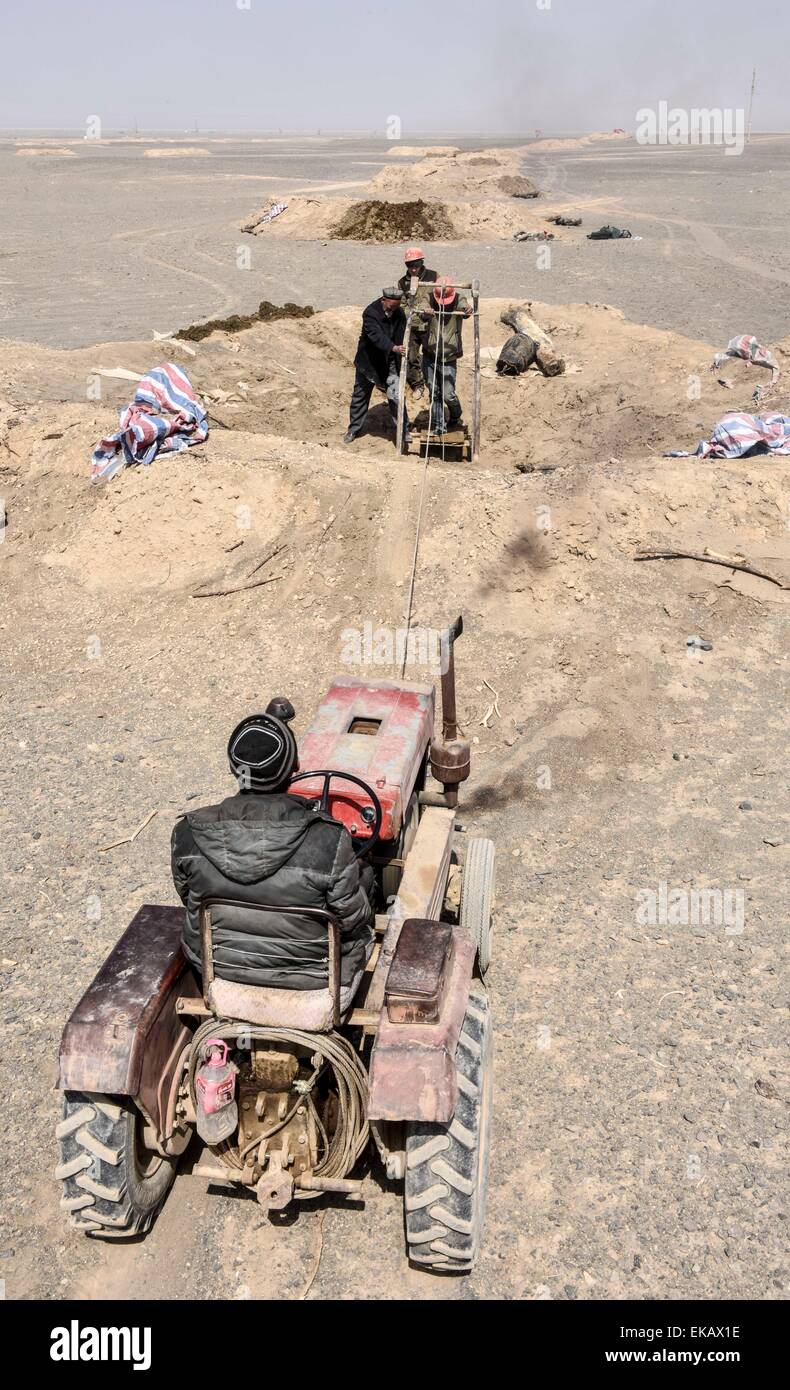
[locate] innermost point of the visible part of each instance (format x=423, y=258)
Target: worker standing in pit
x=378, y=360
x=414, y=295
x=443, y=349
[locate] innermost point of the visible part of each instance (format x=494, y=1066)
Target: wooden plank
x=456, y=436
x=402, y=388
x=475, y=445
x=421, y=892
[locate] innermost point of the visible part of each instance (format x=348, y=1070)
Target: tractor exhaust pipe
x=449, y=716
x=450, y=761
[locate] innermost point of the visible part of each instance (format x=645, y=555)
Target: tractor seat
x=310, y=1009
x=314, y=1010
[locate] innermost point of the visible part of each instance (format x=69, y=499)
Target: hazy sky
x=441, y=65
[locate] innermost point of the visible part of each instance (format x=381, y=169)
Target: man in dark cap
x=263, y=846
x=378, y=359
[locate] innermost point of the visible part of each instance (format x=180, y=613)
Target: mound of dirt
x=517, y=186
x=418, y=151
x=445, y=195
x=235, y=323
x=460, y=174
x=372, y=220
x=470, y=219
x=178, y=153
x=579, y=142
x=48, y=152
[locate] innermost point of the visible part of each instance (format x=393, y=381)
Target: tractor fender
x=412, y=1069
x=125, y=1038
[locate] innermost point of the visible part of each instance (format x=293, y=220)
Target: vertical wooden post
x=404, y=362
x=475, y=450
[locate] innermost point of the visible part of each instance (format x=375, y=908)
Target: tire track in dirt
x=714, y=245
x=147, y=1268
x=228, y=302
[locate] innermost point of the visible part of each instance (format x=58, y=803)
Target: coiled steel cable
x=352, y=1131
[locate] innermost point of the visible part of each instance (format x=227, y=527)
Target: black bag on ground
x=518, y=353
x=608, y=233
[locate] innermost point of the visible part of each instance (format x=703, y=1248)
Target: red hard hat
x=414, y=253
x=443, y=290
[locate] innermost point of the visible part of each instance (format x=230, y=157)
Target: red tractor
x=283, y=1090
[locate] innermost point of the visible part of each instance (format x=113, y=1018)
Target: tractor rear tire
x=447, y=1165
x=477, y=897
x=112, y=1187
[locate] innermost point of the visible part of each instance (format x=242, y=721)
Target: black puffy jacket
x=277, y=850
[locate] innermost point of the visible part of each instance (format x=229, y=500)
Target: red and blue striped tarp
x=737, y=434
x=165, y=415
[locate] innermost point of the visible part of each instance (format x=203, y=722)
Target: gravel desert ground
x=163, y=251
x=639, y=1145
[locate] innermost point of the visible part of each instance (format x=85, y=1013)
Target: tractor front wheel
x=447, y=1165
x=477, y=897
x=112, y=1186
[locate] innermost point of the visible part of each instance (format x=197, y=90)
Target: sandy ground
x=640, y=1094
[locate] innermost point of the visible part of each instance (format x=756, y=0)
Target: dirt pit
x=372, y=220
x=624, y=393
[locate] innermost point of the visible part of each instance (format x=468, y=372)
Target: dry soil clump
x=236, y=323
x=380, y=221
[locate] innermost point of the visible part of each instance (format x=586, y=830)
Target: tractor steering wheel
x=323, y=802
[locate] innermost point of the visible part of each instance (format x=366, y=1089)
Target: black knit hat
x=262, y=753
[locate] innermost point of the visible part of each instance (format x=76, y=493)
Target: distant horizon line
x=316, y=132
x=313, y=132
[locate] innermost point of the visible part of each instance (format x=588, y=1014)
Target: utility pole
x=751, y=104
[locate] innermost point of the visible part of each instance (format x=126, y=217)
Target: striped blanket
x=165, y=415
x=737, y=434
x=748, y=348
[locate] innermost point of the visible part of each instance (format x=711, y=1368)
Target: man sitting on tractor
x=267, y=849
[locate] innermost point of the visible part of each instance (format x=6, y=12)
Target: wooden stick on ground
x=270, y=554
x=710, y=557
x=239, y=588
x=128, y=839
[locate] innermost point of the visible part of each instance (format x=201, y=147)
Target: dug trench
x=606, y=759
x=628, y=390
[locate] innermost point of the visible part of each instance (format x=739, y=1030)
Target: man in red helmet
x=416, y=269
x=442, y=350
x=417, y=275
